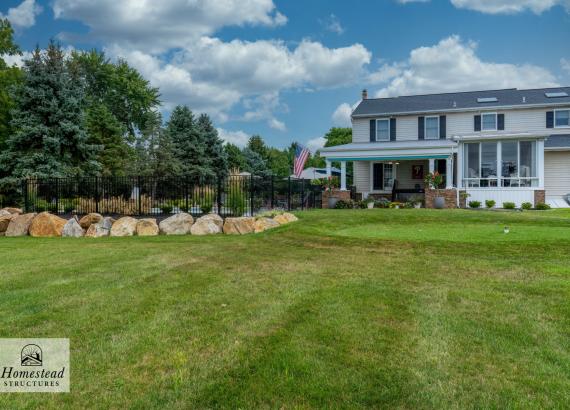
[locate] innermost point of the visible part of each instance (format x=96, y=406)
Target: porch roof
x=389, y=151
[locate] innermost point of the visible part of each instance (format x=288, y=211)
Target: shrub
x=361, y=204
x=396, y=205
x=489, y=203
x=344, y=204
x=206, y=196
x=509, y=205
x=68, y=208
x=541, y=206
x=526, y=206
x=381, y=203
x=474, y=204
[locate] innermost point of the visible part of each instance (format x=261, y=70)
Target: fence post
x=56, y=196
x=251, y=194
x=219, y=195
x=139, y=194
x=97, y=194
x=289, y=195
x=25, y=193
x=272, y=192
x=302, y=194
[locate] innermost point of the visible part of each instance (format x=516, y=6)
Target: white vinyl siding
x=557, y=174
x=362, y=176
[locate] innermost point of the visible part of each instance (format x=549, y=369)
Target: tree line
x=82, y=114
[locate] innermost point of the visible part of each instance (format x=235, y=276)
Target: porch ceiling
x=389, y=151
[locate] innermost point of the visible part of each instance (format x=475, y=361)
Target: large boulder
x=100, y=229
x=90, y=219
x=178, y=224
x=125, y=226
x=16, y=211
x=3, y=212
x=46, y=225
x=208, y=225
x=285, y=218
x=147, y=227
x=263, y=224
x=5, y=221
x=20, y=224
x=239, y=226
x=72, y=229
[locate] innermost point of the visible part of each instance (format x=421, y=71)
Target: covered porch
x=394, y=170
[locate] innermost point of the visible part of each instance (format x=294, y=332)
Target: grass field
x=370, y=308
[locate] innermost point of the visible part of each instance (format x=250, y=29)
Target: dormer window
x=489, y=122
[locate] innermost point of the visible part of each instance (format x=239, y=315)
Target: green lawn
x=370, y=308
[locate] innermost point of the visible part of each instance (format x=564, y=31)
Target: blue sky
x=289, y=70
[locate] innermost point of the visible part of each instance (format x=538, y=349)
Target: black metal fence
x=235, y=195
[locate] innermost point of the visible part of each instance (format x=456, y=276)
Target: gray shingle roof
x=557, y=141
x=458, y=101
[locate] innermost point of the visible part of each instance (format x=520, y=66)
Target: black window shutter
x=500, y=121
x=442, y=127
x=421, y=128
x=549, y=119
x=477, y=124
x=372, y=130
x=392, y=129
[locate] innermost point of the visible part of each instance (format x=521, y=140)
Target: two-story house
x=505, y=145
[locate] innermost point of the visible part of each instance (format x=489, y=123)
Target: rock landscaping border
x=15, y=223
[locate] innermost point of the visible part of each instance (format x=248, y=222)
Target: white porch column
x=540, y=162
x=449, y=172
x=431, y=165
x=460, y=165
x=329, y=173
x=343, y=175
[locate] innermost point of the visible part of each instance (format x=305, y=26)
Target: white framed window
x=489, y=121
x=432, y=128
x=388, y=176
x=561, y=118
x=383, y=130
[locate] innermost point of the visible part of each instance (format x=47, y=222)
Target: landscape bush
x=344, y=204
x=236, y=201
x=474, y=204
x=489, y=203
x=526, y=206
x=509, y=205
x=541, y=206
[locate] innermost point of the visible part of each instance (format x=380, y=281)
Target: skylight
x=487, y=99
x=556, y=95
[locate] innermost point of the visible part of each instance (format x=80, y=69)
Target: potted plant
x=434, y=180
x=369, y=202
x=330, y=184
x=416, y=202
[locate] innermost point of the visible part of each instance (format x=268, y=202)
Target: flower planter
x=418, y=205
x=439, y=202
x=332, y=202
x=370, y=205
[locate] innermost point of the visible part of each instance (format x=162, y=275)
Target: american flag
x=301, y=156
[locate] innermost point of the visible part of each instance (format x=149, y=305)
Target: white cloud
x=315, y=144
x=452, y=65
x=24, y=15
x=412, y=1
x=161, y=25
x=509, y=6
x=16, y=60
x=341, y=116
x=332, y=24
x=238, y=138
x=213, y=76
x=565, y=64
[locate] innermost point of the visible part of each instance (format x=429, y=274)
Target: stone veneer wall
x=344, y=195
x=539, y=197
x=450, y=196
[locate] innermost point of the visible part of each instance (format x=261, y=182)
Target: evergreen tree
x=189, y=146
x=163, y=155
x=105, y=131
x=49, y=138
x=254, y=163
x=215, y=154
